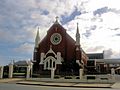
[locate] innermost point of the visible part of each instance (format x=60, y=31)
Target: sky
x=99, y=25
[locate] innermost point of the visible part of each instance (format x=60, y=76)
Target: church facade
x=58, y=51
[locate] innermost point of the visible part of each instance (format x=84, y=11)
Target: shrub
x=78, y=77
x=104, y=78
x=56, y=76
x=68, y=77
x=91, y=77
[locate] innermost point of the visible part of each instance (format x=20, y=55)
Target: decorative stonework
x=56, y=38
x=50, y=62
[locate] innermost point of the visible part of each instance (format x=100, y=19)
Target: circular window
x=56, y=38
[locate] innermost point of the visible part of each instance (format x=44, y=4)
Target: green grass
x=18, y=74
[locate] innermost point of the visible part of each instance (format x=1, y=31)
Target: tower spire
x=77, y=36
x=77, y=28
x=37, y=39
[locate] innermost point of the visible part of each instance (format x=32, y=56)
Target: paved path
x=116, y=85
x=60, y=84
x=7, y=80
x=65, y=84
x=9, y=86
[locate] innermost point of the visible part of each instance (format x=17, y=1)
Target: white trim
x=48, y=60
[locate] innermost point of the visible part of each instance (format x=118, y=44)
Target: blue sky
x=99, y=24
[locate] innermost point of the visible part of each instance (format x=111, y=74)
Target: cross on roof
x=56, y=18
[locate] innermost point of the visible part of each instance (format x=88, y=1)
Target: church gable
x=62, y=52
x=60, y=41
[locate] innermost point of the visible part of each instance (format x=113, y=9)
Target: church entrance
x=49, y=63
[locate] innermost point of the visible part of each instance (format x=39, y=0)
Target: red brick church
x=60, y=51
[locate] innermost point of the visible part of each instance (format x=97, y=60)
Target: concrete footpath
x=23, y=81
x=11, y=80
x=43, y=82
x=63, y=84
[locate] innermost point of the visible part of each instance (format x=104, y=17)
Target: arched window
x=46, y=64
x=50, y=63
x=54, y=64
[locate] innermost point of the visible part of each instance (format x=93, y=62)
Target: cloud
x=98, y=30
x=98, y=23
x=103, y=10
x=66, y=19
x=15, y=19
x=87, y=34
x=15, y=36
x=117, y=34
x=108, y=53
x=25, y=48
x=3, y=60
x=95, y=49
x=93, y=27
x=23, y=15
x=114, y=28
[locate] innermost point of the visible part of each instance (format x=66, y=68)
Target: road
x=12, y=86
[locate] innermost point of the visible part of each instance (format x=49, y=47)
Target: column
x=31, y=68
x=10, y=70
x=113, y=73
x=28, y=72
x=81, y=73
x=52, y=73
x=1, y=72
